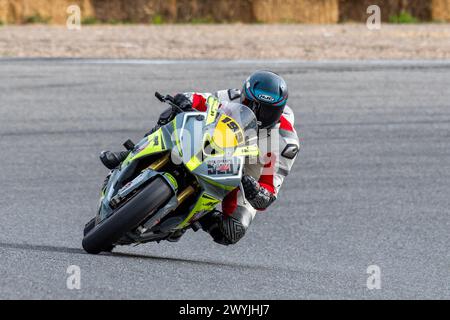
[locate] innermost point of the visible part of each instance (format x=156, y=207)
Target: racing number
x=235, y=128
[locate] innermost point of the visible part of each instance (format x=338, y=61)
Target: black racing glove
x=259, y=197
x=183, y=102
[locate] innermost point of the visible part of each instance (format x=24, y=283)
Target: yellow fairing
x=204, y=204
x=228, y=133
x=194, y=163
x=155, y=145
x=213, y=106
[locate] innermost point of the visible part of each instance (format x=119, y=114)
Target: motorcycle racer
x=266, y=94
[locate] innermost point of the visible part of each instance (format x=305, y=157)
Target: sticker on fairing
x=223, y=167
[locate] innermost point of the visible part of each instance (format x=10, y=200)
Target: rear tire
x=130, y=215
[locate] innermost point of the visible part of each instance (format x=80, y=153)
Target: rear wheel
x=102, y=237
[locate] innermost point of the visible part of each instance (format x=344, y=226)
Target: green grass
x=2, y=23
x=37, y=18
x=89, y=21
x=93, y=20
x=158, y=19
x=114, y=21
x=205, y=20
x=403, y=17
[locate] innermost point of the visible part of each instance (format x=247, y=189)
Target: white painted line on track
x=209, y=61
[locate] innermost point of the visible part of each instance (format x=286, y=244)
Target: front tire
x=88, y=227
x=129, y=216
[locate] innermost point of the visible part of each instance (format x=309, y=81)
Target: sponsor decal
x=156, y=141
x=222, y=167
x=266, y=97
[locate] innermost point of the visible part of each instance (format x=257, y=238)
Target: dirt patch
x=306, y=42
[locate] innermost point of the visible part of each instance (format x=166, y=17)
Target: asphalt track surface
x=371, y=186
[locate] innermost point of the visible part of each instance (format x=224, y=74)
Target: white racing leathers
x=279, y=147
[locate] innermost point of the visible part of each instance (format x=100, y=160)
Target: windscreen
x=235, y=126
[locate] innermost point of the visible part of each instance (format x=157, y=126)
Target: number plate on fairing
x=223, y=167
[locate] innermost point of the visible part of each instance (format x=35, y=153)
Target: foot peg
x=196, y=226
x=175, y=237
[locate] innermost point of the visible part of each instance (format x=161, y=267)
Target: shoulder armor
x=289, y=114
x=228, y=95
x=234, y=94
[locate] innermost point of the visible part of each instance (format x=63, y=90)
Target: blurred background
x=209, y=11
x=221, y=29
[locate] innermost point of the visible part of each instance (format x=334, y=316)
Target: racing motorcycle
x=174, y=177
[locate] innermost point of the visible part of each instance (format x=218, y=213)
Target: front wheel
x=103, y=236
x=89, y=226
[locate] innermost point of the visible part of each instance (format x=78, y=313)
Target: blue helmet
x=266, y=93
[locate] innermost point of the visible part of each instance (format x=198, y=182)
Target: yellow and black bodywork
x=201, y=156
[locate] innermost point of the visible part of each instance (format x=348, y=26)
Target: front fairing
x=217, y=166
x=184, y=138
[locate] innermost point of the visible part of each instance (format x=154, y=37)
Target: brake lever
x=170, y=98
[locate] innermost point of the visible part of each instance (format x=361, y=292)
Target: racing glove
x=180, y=100
x=259, y=197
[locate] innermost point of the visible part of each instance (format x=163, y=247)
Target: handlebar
x=159, y=96
x=169, y=100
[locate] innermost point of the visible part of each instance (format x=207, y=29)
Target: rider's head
x=266, y=93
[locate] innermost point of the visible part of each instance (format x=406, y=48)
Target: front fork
x=158, y=165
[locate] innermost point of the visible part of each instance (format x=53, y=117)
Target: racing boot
x=112, y=160
x=227, y=230
x=211, y=223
